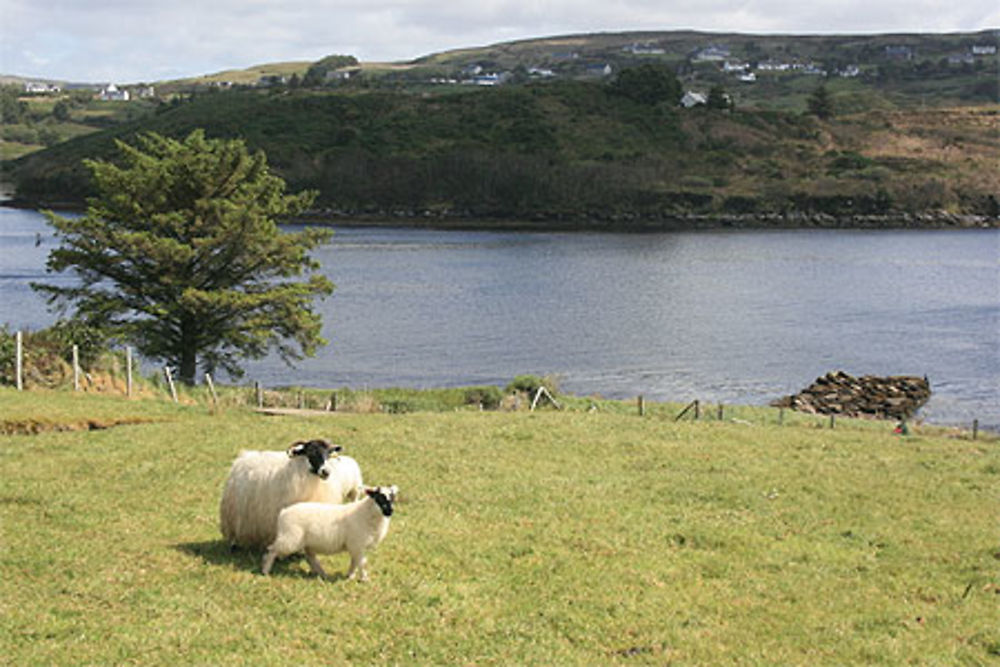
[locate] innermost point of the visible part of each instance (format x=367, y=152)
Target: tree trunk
x=189, y=354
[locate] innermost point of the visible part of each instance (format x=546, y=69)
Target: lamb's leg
x=268, y=561
x=314, y=565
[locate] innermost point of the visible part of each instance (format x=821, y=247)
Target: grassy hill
x=550, y=537
x=572, y=151
x=913, y=133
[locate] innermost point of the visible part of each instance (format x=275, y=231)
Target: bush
x=529, y=384
x=488, y=397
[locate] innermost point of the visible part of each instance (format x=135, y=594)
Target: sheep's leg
x=314, y=565
x=268, y=561
x=358, y=567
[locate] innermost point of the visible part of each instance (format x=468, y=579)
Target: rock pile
x=837, y=393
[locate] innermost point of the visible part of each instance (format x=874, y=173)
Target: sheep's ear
x=371, y=490
x=297, y=449
x=336, y=449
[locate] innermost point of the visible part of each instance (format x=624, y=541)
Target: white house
x=39, y=87
x=693, y=99
x=541, y=72
x=111, y=93
x=598, y=70
x=712, y=52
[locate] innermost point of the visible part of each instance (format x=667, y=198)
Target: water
x=737, y=317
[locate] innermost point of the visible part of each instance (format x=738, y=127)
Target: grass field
x=568, y=537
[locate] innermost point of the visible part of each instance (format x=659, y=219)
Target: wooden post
x=302, y=400
x=260, y=394
x=692, y=404
x=76, y=368
x=642, y=406
x=333, y=402
x=975, y=429
x=211, y=389
x=833, y=421
x=19, y=360
x=781, y=416
x=170, y=382
x=721, y=412
x=128, y=371
x=697, y=410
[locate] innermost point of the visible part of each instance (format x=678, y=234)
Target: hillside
x=544, y=137
x=573, y=151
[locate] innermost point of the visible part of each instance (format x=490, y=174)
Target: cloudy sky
x=131, y=41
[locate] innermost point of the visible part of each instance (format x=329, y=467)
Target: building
x=112, y=93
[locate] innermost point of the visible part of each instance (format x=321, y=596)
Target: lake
x=735, y=317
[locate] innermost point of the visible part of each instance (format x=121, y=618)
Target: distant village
x=570, y=64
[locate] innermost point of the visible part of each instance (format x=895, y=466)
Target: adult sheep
x=262, y=483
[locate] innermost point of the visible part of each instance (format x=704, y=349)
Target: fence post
x=128, y=371
x=697, y=410
x=721, y=412
x=833, y=420
x=781, y=416
x=975, y=429
x=642, y=406
x=19, y=359
x=76, y=368
x=211, y=388
x=170, y=381
x=260, y=394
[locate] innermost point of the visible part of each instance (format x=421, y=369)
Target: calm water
x=741, y=317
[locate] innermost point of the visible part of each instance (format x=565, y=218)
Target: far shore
x=601, y=221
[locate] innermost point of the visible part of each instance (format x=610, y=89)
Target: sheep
x=320, y=528
x=262, y=483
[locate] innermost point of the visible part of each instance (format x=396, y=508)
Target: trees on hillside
x=180, y=253
x=820, y=103
x=648, y=84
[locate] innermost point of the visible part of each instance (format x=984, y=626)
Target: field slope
x=521, y=538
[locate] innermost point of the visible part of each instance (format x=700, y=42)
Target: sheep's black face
x=317, y=452
x=384, y=497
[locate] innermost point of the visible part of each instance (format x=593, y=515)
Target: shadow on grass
x=219, y=553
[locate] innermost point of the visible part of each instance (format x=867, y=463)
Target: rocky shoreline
x=838, y=393
x=610, y=221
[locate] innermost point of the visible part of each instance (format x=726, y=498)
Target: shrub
x=488, y=397
x=529, y=384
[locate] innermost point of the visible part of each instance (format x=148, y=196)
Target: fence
x=694, y=407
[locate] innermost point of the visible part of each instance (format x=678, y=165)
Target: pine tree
x=820, y=104
x=180, y=254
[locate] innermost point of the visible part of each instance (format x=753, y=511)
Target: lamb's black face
x=384, y=497
x=318, y=454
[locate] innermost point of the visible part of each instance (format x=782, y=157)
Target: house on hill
x=693, y=99
x=112, y=93
x=598, y=70
x=711, y=53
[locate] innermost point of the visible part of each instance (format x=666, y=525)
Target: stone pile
x=838, y=393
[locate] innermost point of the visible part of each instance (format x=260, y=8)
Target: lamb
x=319, y=528
x=262, y=483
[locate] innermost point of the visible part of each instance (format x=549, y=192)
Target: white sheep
x=262, y=483
x=320, y=528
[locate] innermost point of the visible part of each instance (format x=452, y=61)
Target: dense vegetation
x=573, y=150
x=879, y=126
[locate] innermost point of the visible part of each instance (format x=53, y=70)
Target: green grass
x=567, y=537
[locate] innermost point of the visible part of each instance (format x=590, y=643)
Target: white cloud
x=144, y=40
